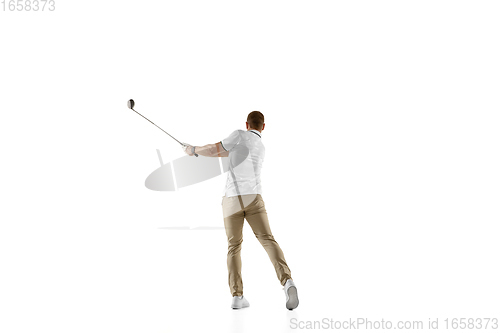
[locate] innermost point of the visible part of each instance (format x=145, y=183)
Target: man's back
x=246, y=155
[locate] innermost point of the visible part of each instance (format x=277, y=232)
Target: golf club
x=131, y=105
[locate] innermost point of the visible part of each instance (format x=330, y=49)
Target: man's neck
x=254, y=130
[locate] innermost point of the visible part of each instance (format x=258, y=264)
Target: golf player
x=243, y=200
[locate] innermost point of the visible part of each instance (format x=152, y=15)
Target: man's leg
x=233, y=223
x=256, y=216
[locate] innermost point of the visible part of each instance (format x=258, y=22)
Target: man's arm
x=210, y=150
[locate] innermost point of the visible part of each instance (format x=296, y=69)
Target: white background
x=381, y=175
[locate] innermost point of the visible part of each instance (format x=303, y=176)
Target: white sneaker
x=292, y=300
x=239, y=302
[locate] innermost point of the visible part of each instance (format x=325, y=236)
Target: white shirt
x=246, y=154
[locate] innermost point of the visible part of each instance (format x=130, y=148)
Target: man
x=243, y=200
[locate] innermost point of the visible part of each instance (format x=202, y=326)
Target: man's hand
x=188, y=149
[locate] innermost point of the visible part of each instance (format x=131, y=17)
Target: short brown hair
x=255, y=120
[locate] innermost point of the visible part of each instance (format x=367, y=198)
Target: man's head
x=255, y=120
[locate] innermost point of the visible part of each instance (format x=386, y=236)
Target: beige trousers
x=250, y=207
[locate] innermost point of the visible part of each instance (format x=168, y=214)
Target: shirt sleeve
x=231, y=141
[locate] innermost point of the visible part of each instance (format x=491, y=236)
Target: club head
x=130, y=104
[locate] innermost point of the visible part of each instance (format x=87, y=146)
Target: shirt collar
x=256, y=132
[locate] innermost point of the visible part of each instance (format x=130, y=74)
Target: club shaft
x=156, y=126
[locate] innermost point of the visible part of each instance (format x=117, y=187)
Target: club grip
x=196, y=155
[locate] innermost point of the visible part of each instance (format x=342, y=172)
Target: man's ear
x=247, y=124
x=263, y=125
